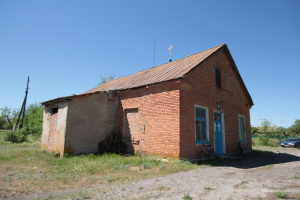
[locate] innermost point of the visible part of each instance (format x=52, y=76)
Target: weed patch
x=163, y=188
x=27, y=169
x=280, y=194
x=187, y=196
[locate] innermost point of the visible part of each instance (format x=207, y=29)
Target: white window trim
x=207, y=120
x=245, y=133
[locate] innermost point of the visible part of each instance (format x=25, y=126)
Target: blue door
x=218, y=133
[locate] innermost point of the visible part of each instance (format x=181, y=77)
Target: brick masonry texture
x=166, y=116
x=53, y=121
x=158, y=118
x=199, y=88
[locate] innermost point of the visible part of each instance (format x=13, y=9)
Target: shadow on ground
x=255, y=159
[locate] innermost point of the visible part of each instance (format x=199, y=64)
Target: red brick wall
x=53, y=122
x=199, y=88
x=158, y=118
x=166, y=118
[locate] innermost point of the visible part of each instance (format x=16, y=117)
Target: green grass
x=25, y=168
x=187, y=196
x=280, y=194
x=231, y=173
x=207, y=188
x=163, y=188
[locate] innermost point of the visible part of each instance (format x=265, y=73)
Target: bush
x=263, y=140
x=16, y=137
x=273, y=142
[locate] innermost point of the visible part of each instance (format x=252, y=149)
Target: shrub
x=16, y=137
x=280, y=194
x=187, y=196
x=11, y=137
x=273, y=142
x=263, y=140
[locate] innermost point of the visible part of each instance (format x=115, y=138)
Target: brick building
x=176, y=109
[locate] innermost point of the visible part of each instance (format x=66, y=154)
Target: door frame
x=223, y=129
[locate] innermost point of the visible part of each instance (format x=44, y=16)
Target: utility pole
x=23, y=109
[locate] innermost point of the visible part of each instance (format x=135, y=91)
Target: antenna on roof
x=154, y=51
x=170, y=49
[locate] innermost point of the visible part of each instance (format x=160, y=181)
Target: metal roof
x=169, y=71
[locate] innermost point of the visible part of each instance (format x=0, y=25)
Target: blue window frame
x=201, y=126
x=242, y=129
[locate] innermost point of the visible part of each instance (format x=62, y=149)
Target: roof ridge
x=160, y=73
x=169, y=62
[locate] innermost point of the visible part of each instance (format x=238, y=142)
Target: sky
x=67, y=46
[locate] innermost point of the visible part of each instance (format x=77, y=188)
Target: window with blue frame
x=242, y=129
x=201, y=125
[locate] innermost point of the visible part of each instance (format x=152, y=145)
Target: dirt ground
x=256, y=177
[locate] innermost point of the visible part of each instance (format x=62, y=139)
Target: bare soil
x=252, y=177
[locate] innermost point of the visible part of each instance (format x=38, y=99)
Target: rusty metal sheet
x=169, y=71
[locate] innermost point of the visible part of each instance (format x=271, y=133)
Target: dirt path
x=256, y=177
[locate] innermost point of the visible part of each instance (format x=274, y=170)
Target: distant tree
x=254, y=130
x=105, y=79
x=34, y=118
x=10, y=117
x=2, y=122
x=295, y=128
x=265, y=125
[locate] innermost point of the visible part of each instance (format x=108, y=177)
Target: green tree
x=34, y=118
x=10, y=116
x=295, y=128
x=254, y=130
x=105, y=79
x=265, y=125
x=2, y=122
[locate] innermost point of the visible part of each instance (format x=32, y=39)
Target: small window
x=201, y=125
x=218, y=78
x=54, y=111
x=242, y=129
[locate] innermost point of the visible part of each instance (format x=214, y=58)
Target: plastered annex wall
x=54, y=128
x=90, y=119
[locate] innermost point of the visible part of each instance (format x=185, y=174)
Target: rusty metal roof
x=169, y=71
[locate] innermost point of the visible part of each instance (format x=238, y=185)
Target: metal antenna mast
x=23, y=109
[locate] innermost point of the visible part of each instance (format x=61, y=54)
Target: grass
x=207, y=188
x=231, y=173
x=280, y=194
x=257, y=146
x=187, y=196
x=26, y=169
x=163, y=188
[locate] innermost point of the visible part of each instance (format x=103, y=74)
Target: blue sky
x=66, y=46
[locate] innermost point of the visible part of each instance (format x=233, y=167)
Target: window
x=218, y=77
x=53, y=111
x=242, y=129
x=201, y=125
